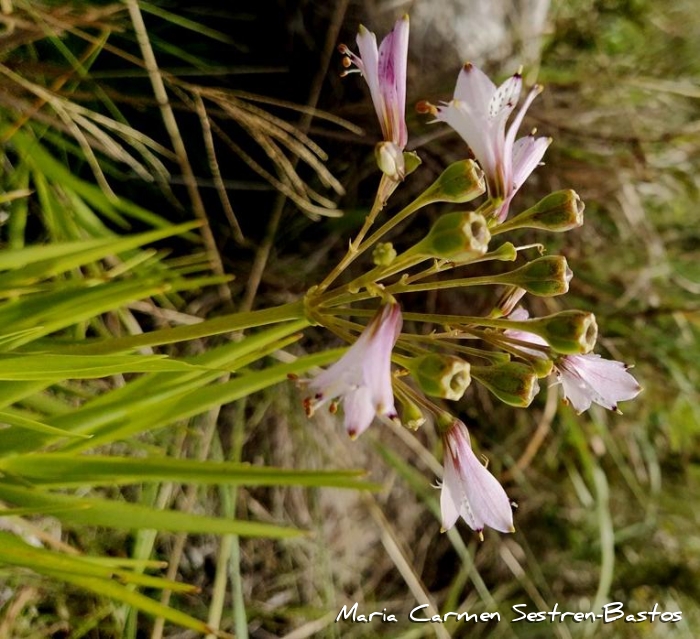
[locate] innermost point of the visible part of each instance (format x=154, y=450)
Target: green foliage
x=87, y=353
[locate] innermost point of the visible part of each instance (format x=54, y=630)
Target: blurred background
x=607, y=503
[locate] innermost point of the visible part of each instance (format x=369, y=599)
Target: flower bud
x=442, y=376
x=544, y=276
x=390, y=160
x=383, y=254
x=458, y=236
x=506, y=252
x=412, y=416
x=512, y=382
x=559, y=211
x=568, y=332
x=542, y=366
x=459, y=183
x=411, y=162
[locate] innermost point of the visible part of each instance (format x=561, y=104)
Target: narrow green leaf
x=62, y=308
x=127, y=516
x=15, y=552
x=11, y=340
x=136, y=600
x=57, y=367
x=102, y=579
x=26, y=271
x=58, y=469
x=207, y=328
x=43, y=163
x=48, y=510
x=13, y=419
x=185, y=23
x=148, y=413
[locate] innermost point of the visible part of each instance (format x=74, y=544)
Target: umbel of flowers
x=506, y=351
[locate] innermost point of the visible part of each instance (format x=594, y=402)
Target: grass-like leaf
x=64, y=470
x=91, y=511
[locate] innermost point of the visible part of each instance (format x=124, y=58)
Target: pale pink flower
x=384, y=69
x=469, y=489
x=478, y=112
x=585, y=379
x=590, y=378
x=362, y=377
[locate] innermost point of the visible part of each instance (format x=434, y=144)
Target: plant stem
x=356, y=249
x=215, y=326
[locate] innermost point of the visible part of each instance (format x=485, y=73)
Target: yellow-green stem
x=353, y=252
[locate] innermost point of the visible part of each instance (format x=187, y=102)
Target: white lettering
x=419, y=619
x=614, y=608
x=345, y=613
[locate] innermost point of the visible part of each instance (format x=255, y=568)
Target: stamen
x=425, y=107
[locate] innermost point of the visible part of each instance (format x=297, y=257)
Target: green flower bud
x=568, y=332
x=390, y=160
x=459, y=183
x=411, y=415
x=559, y=211
x=442, y=376
x=542, y=366
x=506, y=252
x=512, y=382
x=384, y=254
x=544, y=276
x=458, y=236
x=411, y=162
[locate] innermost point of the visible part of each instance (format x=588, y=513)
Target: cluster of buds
x=506, y=351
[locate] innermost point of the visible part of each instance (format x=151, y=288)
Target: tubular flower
x=362, y=377
x=469, y=489
x=585, y=379
x=384, y=69
x=478, y=112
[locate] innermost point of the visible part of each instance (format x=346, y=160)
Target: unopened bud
x=506, y=252
x=542, y=366
x=568, y=332
x=512, y=382
x=383, y=254
x=390, y=160
x=545, y=276
x=458, y=236
x=459, y=183
x=411, y=162
x=442, y=376
x=559, y=211
x=412, y=416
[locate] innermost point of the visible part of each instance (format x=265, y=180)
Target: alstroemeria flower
x=362, y=377
x=469, y=489
x=479, y=112
x=384, y=69
x=585, y=379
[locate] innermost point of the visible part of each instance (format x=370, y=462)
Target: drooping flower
x=479, y=112
x=590, y=378
x=362, y=377
x=469, y=489
x=585, y=379
x=384, y=69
